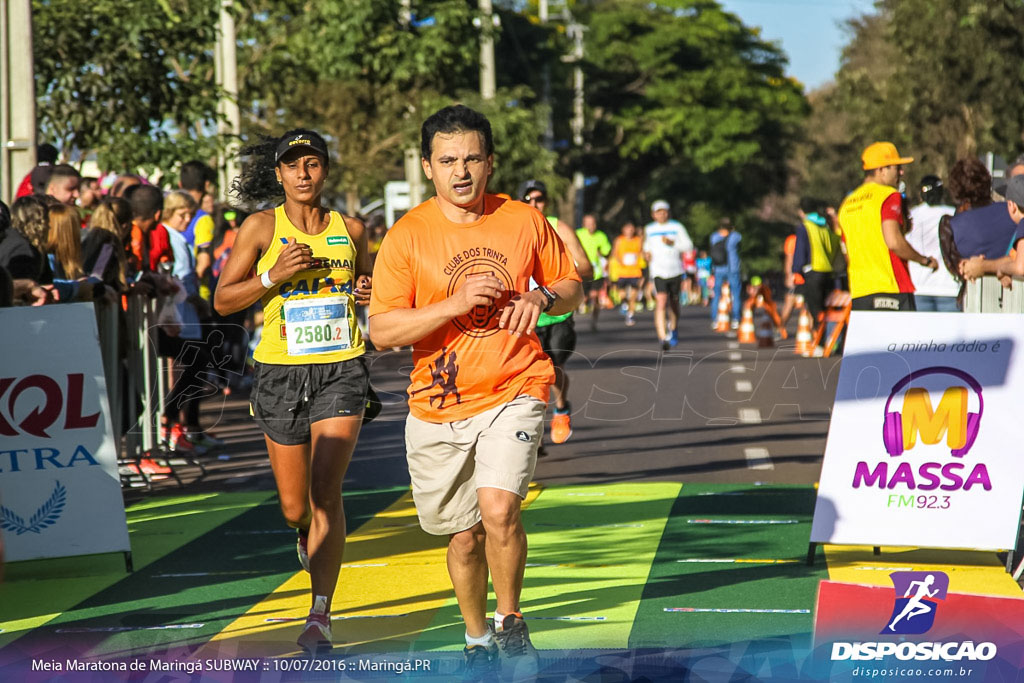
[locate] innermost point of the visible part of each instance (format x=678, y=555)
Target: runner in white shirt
x=665, y=242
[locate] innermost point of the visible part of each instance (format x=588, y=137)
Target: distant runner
x=557, y=333
x=665, y=242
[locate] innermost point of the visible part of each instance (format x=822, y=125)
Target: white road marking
x=758, y=459
x=744, y=385
x=750, y=416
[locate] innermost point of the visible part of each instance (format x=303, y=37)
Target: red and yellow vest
x=872, y=267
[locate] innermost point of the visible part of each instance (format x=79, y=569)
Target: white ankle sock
x=319, y=605
x=486, y=639
x=499, y=620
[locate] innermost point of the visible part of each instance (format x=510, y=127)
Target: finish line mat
x=610, y=568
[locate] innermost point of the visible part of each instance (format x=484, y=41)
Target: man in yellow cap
x=873, y=225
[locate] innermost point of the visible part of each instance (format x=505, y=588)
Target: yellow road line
x=970, y=571
x=387, y=600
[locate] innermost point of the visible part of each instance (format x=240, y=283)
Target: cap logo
x=299, y=140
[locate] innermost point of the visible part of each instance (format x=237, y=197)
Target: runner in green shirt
x=557, y=333
x=595, y=243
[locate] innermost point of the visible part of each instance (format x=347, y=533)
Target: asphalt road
x=708, y=410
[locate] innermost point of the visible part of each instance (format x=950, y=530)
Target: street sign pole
x=17, y=96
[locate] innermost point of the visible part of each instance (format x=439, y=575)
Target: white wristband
x=265, y=279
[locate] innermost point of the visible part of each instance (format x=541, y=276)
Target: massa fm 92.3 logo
x=949, y=418
x=482, y=321
x=921, y=422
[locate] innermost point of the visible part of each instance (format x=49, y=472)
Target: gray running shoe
x=481, y=663
x=519, y=661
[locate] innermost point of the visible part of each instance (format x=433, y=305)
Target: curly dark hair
x=256, y=187
x=30, y=215
x=970, y=183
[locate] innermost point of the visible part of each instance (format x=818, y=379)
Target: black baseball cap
x=301, y=139
x=531, y=186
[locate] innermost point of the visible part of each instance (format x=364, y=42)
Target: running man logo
x=444, y=374
x=919, y=418
x=917, y=596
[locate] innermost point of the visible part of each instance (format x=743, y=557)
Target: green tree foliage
x=133, y=84
x=356, y=70
x=939, y=78
x=688, y=104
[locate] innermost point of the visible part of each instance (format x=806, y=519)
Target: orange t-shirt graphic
x=468, y=365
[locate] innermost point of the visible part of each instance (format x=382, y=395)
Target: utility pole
x=229, y=120
x=488, y=22
x=575, y=32
x=413, y=168
x=549, y=124
x=17, y=96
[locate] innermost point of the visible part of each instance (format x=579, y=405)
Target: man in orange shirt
x=452, y=279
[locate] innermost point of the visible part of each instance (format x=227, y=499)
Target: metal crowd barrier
x=136, y=378
x=987, y=295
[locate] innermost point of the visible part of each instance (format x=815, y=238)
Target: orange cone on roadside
x=722, y=319
x=746, y=333
x=804, y=340
x=765, y=329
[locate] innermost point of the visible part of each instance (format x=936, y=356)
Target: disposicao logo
x=921, y=592
x=916, y=603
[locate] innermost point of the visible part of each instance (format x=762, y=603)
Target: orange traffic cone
x=804, y=340
x=746, y=332
x=765, y=328
x=722, y=319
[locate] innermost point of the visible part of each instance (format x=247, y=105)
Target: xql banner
x=60, y=494
x=925, y=443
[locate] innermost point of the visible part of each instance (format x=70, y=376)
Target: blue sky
x=808, y=31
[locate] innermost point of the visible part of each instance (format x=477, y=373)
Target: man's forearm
x=405, y=326
x=570, y=295
x=898, y=244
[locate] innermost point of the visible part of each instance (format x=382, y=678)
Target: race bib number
x=629, y=259
x=316, y=325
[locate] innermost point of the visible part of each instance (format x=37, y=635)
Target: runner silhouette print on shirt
x=444, y=374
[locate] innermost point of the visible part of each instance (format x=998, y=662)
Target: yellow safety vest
x=860, y=219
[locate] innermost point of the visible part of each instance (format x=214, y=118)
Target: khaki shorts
x=448, y=462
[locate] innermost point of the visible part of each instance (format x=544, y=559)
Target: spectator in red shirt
x=150, y=244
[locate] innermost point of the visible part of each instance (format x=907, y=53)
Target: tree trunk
x=352, y=201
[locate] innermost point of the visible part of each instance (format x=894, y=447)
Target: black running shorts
x=287, y=399
x=592, y=286
x=668, y=285
x=558, y=340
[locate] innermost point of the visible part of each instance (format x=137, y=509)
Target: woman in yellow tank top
x=312, y=267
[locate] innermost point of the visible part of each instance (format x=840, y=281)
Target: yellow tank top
x=860, y=218
x=823, y=245
x=310, y=317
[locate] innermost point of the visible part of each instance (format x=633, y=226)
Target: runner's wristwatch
x=551, y=296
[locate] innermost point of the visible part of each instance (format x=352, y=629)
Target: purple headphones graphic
x=892, y=429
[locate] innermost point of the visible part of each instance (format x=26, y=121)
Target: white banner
x=60, y=494
x=925, y=447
